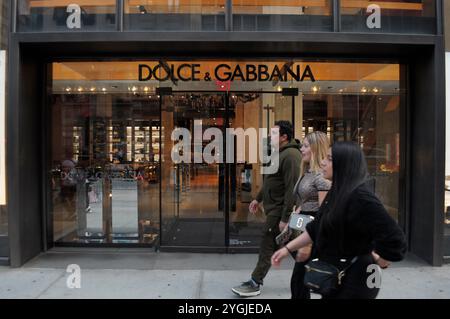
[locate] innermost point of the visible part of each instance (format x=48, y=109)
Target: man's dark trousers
x=267, y=247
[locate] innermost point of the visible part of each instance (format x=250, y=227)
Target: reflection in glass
x=60, y=15
x=105, y=171
x=287, y=15
x=400, y=16
x=176, y=15
x=371, y=120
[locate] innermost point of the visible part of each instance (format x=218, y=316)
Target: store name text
x=224, y=72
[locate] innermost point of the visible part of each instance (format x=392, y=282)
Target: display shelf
x=117, y=142
x=77, y=132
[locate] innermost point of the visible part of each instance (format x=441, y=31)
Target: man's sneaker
x=247, y=289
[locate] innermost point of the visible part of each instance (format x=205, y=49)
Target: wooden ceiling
x=128, y=71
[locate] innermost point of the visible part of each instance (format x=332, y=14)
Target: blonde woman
x=310, y=190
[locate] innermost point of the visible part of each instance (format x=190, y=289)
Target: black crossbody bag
x=324, y=278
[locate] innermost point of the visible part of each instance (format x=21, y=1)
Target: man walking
x=278, y=200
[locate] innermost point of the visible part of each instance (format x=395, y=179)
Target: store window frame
x=404, y=134
x=335, y=12
x=438, y=20
x=118, y=20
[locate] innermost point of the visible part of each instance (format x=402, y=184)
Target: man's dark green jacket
x=276, y=193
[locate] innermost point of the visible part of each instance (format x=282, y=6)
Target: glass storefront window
x=3, y=213
x=66, y=15
x=112, y=142
x=4, y=23
x=286, y=15
x=372, y=120
x=175, y=15
x=104, y=168
x=389, y=16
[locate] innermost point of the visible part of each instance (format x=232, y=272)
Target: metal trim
x=13, y=15
x=226, y=37
x=120, y=11
x=337, y=15
x=229, y=15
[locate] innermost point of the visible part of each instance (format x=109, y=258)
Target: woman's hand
x=253, y=207
x=282, y=226
x=278, y=256
x=383, y=263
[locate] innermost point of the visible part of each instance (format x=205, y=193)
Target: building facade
x=4, y=32
x=447, y=148
x=112, y=107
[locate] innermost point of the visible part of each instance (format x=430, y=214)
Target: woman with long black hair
x=352, y=228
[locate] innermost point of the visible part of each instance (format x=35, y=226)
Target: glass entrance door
x=252, y=110
x=205, y=201
x=193, y=189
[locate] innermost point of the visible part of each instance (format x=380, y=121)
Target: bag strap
x=351, y=263
x=342, y=272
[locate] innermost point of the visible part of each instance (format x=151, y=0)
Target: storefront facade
x=447, y=134
x=96, y=92
x=4, y=244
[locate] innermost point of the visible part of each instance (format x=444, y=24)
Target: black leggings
x=298, y=288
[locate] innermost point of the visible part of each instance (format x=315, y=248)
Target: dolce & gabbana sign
x=225, y=72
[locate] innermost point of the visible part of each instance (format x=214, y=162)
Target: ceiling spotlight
x=92, y=89
x=134, y=89
x=375, y=90
x=315, y=89
x=68, y=89
x=364, y=90
x=80, y=89
x=104, y=89
x=146, y=89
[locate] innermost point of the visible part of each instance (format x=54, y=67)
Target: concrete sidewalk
x=119, y=273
